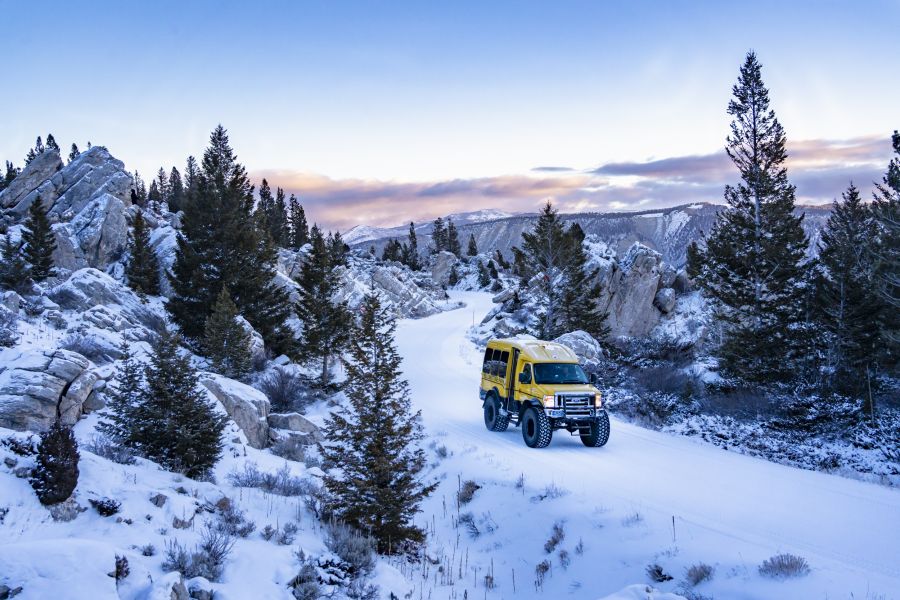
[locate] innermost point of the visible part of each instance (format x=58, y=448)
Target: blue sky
x=380, y=111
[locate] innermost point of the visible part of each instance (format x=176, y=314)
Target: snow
x=694, y=503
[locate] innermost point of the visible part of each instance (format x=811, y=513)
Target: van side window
x=501, y=364
x=527, y=371
x=486, y=367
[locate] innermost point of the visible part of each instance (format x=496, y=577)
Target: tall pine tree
x=849, y=306
x=55, y=473
x=472, y=250
x=546, y=249
x=326, y=323
x=579, y=300
x=142, y=269
x=373, y=454
x=753, y=260
x=14, y=269
x=411, y=250
x=176, y=191
x=438, y=236
x=119, y=419
x=225, y=342
x=453, y=239
x=299, y=228
x=886, y=249
x=39, y=242
x=221, y=244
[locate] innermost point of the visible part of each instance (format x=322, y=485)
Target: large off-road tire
x=536, y=430
x=599, y=433
x=493, y=420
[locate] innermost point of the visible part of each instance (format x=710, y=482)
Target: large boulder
x=247, y=407
x=33, y=181
x=630, y=290
x=36, y=387
x=585, y=347
x=440, y=268
x=88, y=288
x=665, y=300
x=296, y=423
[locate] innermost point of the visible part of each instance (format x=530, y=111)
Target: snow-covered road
x=729, y=510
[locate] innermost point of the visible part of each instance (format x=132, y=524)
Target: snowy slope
x=646, y=497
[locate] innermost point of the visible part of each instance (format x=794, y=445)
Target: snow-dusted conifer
x=142, y=269
x=56, y=473
x=38, y=242
x=225, y=342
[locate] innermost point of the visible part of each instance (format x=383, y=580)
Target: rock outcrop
x=440, y=268
x=36, y=387
x=247, y=407
x=295, y=423
x=585, y=347
x=630, y=289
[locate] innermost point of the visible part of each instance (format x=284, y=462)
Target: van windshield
x=559, y=373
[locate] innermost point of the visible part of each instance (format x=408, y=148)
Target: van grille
x=578, y=406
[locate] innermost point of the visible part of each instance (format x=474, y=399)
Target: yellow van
x=540, y=387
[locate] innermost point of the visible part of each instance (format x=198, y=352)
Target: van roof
x=538, y=350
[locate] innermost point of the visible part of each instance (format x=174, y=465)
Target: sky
x=377, y=113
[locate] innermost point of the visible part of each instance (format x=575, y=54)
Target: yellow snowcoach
x=540, y=387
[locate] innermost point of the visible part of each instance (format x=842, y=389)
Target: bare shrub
x=551, y=492
x=633, y=519
x=148, y=550
x=268, y=533
x=281, y=483
x=467, y=492
x=208, y=558
x=564, y=559
x=467, y=520
x=106, y=507
x=657, y=574
x=287, y=391
x=579, y=547
x=441, y=452
x=698, y=573
x=106, y=448
x=557, y=535
x=91, y=346
x=305, y=585
x=287, y=535
x=784, y=566
x=352, y=547
x=540, y=572
x=231, y=520
x=122, y=569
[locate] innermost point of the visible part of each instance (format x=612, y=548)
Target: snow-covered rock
x=396, y=285
x=296, y=423
x=247, y=407
x=36, y=387
x=642, y=592
x=440, y=268
x=665, y=300
x=585, y=347
x=33, y=181
x=631, y=290
x=257, y=345
x=687, y=323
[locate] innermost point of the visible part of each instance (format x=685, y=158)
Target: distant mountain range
x=668, y=230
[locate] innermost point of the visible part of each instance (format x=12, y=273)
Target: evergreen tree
x=453, y=239
x=546, y=249
x=453, y=278
x=14, y=270
x=176, y=191
x=438, y=236
x=51, y=143
x=162, y=184
x=11, y=173
x=266, y=202
x=373, y=455
x=278, y=225
x=153, y=196
x=220, y=244
x=501, y=260
x=492, y=270
x=393, y=251
x=472, y=250
x=411, y=251
x=55, y=474
x=74, y=152
x=139, y=196
x=35, y=152
x=886, y=251
x=484, y=278
x=225, y=342
x=752, y=264
x=325, y=322
x=191, y=175
x=142, y=269
x=172, y=422
x=119, y=419
x=848, y=303
x=337, y=249
x=579, y=300
x=298, y=225
x=39, y=242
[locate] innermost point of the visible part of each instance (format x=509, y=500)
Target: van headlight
x=549, y=401
x=598, y=403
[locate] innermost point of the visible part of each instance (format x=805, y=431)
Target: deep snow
x=645, y=497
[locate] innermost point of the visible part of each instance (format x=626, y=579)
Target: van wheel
x=599, y=433
x=493, y=420
x=536, y=430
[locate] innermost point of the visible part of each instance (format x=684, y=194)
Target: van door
x=513, y=375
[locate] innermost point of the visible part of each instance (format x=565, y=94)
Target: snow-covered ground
x=647, y=497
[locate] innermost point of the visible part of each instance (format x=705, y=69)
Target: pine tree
x=848, y=304
x=11, y=173
x=886, y=251
x=14, y=269
x=162, y=184
x=55, y=474
x=546, y=249
x=373, y=454
x=337, y=249
x=74, y=152
x=225, y=342
x=484, y=278
x=265, y=203
x=142, y=269
x=221, y=244
x=453, y=239
x=39, y=242
x=501, y=260
x=139, y=195
x=325, y=322
x=51, y=143
x=579, y=300
x=393, y=251
x=411, y=251
x=472, y=250
x=173, y=422
x=36, y=151
x=176, y=191
x=298, y=225
x=191, y=175
x=453, y=278
x=492, y=270
x=278, y=226
x=753, y=262
x=153, y=196
x=119, y=420
x=438, y=236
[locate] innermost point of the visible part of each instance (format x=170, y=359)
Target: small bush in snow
x=106, y=507
x=122, y=568
x=104, y=447
x=467, y=492
x=56, y=474
x=231, y=520
x=633, y=519
x=268, y=532
x=551, y=492
x=441, y=452
x=148, y=550
x=281, y=482
x=784, y=566
x=9, y=328
x=579, y=547
x=557, y=535
x=656, y=573
x=467, y=521
x=354, y=548
x=520, y=482
x=287, y=535
x=564, y=559
x=305, y=585
x=697, y=574
x=208, y=558
x=540, y=572
x=27, y=446
x=286, y=391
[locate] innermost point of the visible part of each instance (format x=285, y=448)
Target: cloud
x=821, y=170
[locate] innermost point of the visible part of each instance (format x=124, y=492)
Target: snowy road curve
x=848, y=530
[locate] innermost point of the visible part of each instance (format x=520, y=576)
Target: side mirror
x=593, y=378
x=524, y=378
